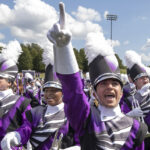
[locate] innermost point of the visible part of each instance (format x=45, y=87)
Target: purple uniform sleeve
x=25, y=132
x=77, y=107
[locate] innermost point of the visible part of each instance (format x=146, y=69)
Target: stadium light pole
x=111, y=18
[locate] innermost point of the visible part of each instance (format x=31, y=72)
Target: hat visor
x=144, y=74
x=108, y=76
x=53, y=85
x=6, y=76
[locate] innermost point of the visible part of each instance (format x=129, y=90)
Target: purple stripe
x=47, y=144
x=111, y=64
x=55, y=76
x=143, y=69
x=132, y=136
x=141, y=147
x=97, y=127
x=4, y=67
x=124, y=107
x=147, y=119
x=24, y=113
x=12, y=112
x=76, y=102
x=25, y=131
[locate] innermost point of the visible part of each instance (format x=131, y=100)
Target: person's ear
x=121, y=94
x=9, y=84
x=94, y=94
x=135, y=82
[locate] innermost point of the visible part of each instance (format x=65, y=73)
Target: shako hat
x=8, y=69
x=50, y=79
x=28, y=77
x=8, y=60
x=135, y=67
x=103, y=63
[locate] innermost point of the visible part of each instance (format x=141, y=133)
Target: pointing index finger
x=62, y=15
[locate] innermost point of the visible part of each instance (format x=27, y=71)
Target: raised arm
x=76, y=103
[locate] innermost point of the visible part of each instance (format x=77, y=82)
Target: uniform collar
x=6, y=93
x=109, y=113
x=145, y=89
x=54, y=109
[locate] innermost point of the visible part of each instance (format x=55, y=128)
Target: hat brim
x=52, y=84
x=141, y=75
x=6, y=76
x=108, y=76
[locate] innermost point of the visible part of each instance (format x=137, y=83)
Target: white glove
x=136, y=112
x=10, y=139
x=29, y=146
x=60, y=36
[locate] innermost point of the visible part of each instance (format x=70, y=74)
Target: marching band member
x=140, y=99
x=129, y=89
x=31, y=90
x=12, y=106
x=104, y=127
x=128, y=101
x=46, y=126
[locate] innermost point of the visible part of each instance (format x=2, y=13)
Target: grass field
x=42, y=75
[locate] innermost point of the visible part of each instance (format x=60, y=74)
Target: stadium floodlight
x=111, y=18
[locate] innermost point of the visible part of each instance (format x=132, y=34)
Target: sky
x=28, y=21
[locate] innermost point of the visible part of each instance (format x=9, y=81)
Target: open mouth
x=110, y=96
x=50, y=99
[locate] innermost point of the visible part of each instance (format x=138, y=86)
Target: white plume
x=148, y=70
x=131, y=58
x=48, y=55
x=28, y=75
x=11, y=51
x=97, y=44
x=87, y=75
x=124, y=78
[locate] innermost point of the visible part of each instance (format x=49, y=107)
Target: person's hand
x=136, y=112
x=59, y=35
x=65, y=60
x=10, y=139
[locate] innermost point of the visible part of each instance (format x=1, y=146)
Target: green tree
x=36, y=53
x=25, y=59
x=121, y=66
x=81, y=59
x=31, y=58
x=1, y=49
x=76, y=52
x=38, y=65
x=84, y=61
x=34, y=48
